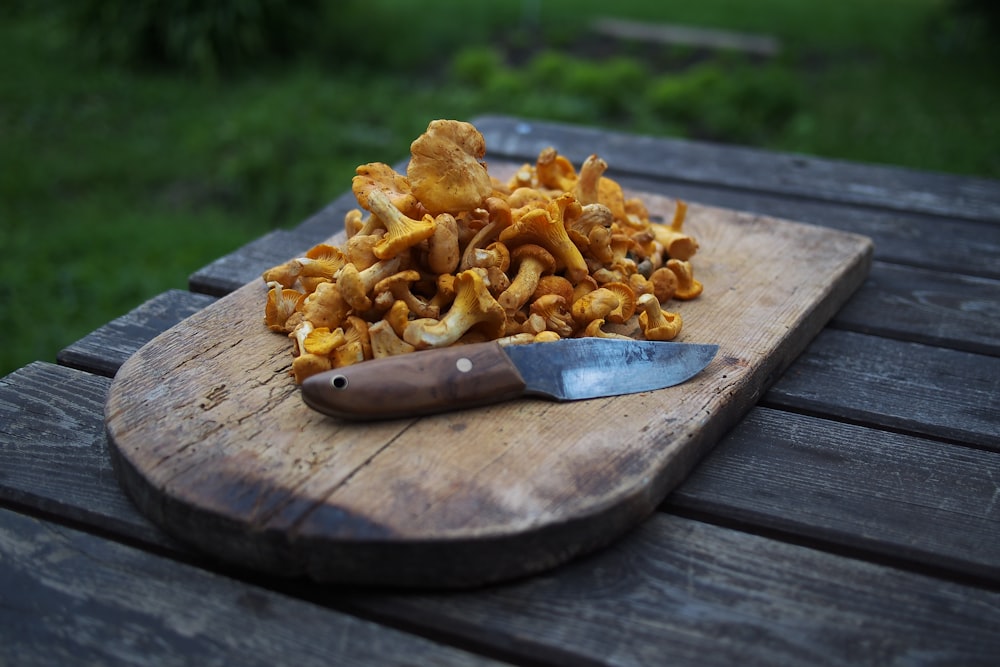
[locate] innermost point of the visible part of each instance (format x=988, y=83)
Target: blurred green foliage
x=204, y=37
x=129, y=161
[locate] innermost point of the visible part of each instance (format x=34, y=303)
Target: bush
x=192, y=35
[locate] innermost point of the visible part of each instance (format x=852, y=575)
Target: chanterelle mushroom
x=655, y=323
x=446, y=172
x=474, y=306
x=402, y=232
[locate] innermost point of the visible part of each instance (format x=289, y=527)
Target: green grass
x=116, y=183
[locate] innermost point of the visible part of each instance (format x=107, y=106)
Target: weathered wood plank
x=53, y=450
x=682, y=592
x=938, y=242
x=896, y=385
x=245, y=264
x=751, y=169
x=932, y=307
x=756, y=474
x=855, y=487
x=73, y=598
x=105, y=349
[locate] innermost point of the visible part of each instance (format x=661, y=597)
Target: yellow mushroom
x=656, y=323
x=443, y=252
x=594, y=330
x=664, y=282
x=687, y=286
x=626, y=302
x=281, y=303
x=347, y=355
x=531, y=262
x=305, y=365
x=380, y=176
x=326, y=307
x=474, y=307
x=355, y=285
x=322, y=341
x=554, y=312
x=676, y=244
x=586, y=187
x=446, y=171
x=402, y=232
x=360, y=250
x=398, y=284
x=545, y=227
x=594, y=305
x=320, y=264
x=284, y=275
x=386, y=342
x=553, y=284
x=554, y=171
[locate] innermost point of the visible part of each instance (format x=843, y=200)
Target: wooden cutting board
x=211, y=440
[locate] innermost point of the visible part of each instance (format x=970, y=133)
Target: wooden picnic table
x=852, y=517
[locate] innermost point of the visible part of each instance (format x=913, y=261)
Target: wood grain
x=872, y=380
x=212, y=441
x=683, y=592
x=854, y=487
x=105, y=349
x=70, y=598
x=750, y=168
x=670, y=588
x=931, y=307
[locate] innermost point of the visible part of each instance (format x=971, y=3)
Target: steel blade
x=579, y=368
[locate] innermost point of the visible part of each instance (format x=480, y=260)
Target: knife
x=463, y=376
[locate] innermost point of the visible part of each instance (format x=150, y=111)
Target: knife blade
x=463, y=376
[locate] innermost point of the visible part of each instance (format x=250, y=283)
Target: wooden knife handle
x=417, y=383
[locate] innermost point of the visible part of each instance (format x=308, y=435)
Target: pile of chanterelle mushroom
x=447, y=254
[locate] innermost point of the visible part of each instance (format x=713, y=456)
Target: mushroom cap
x=380, y=176
x=445, y=170
x=555, y=171
x=535, y=253
x=655, y=323
x=543, y=226
x=474, y=309
x=626, y=302
x=553, y=284
x=687, y=287
x=326, y=307
x=554, y=311
x=664, y=284
x=443, y=252
x=282, y=302
x=594, y=305
x=322, y=340
x=305, y=365
x=386, y=342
